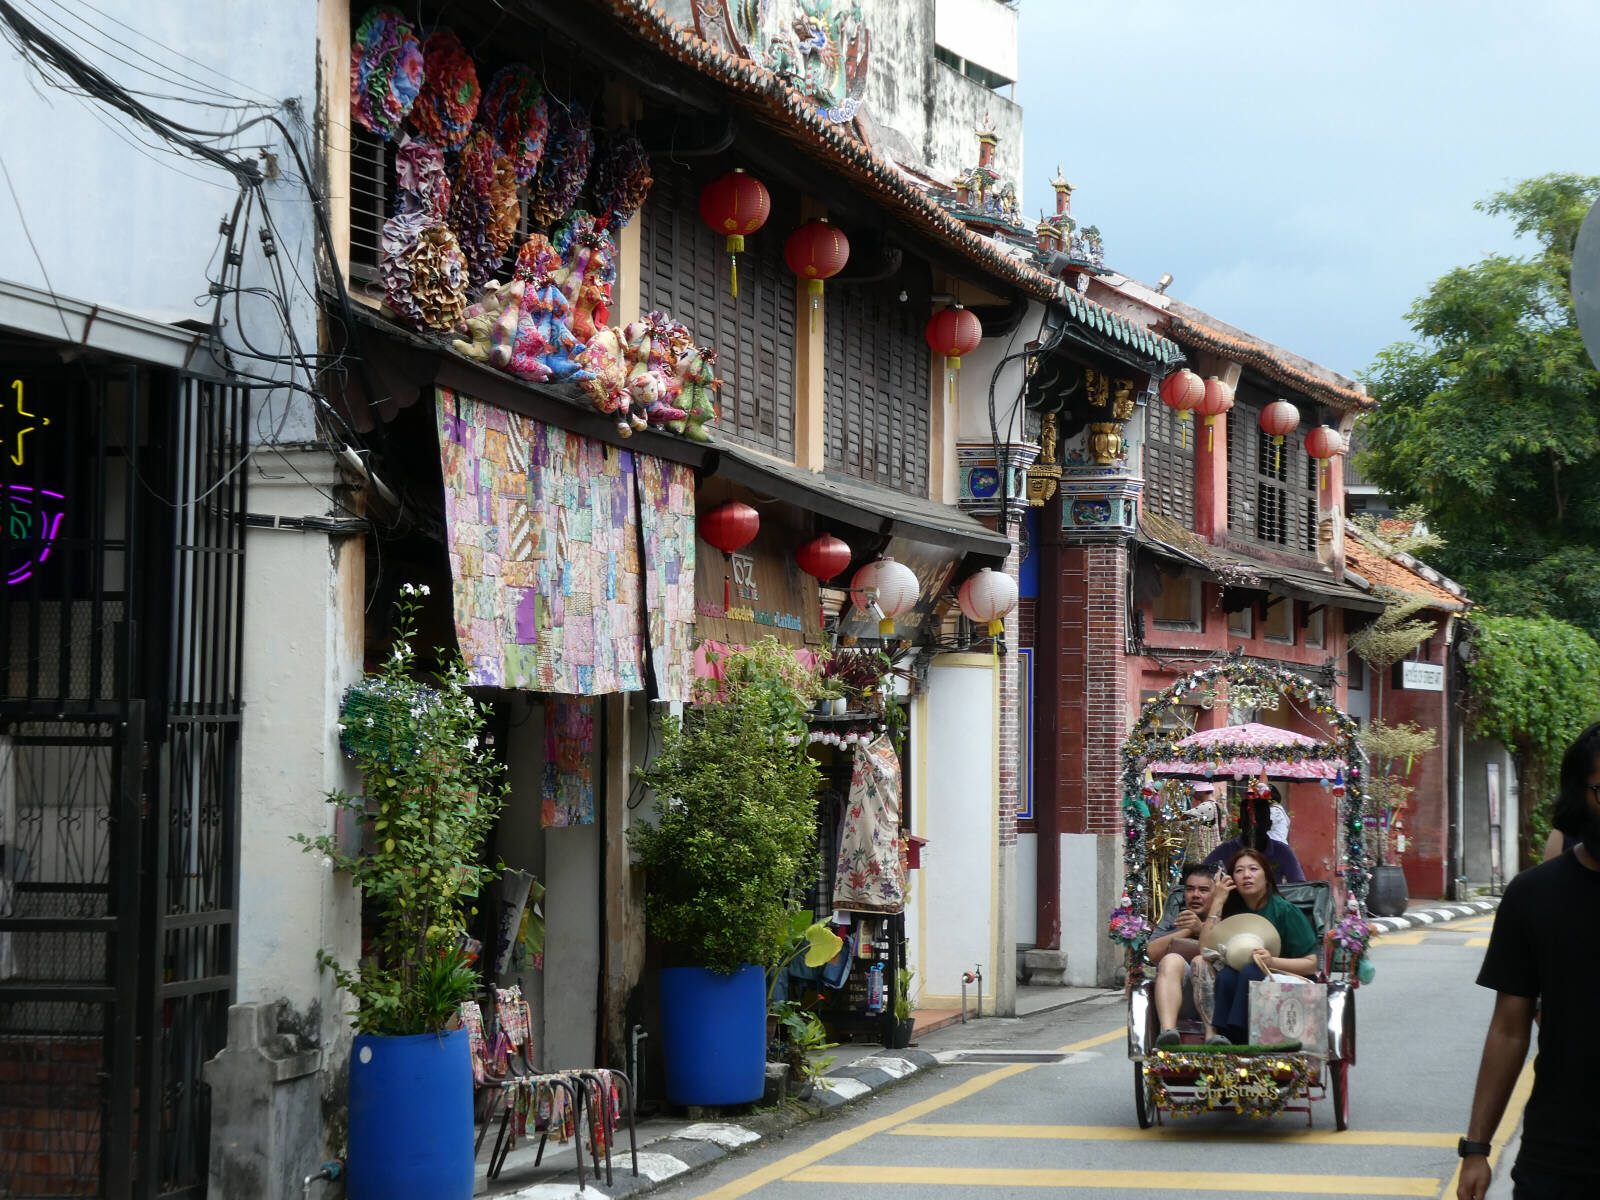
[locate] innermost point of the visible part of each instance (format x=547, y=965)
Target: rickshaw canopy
x=1249, y=750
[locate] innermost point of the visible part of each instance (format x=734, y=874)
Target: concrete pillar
x=303, y=636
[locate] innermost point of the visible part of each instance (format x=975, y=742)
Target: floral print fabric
x=867, y=874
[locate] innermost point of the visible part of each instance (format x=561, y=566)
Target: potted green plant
x=735, y=830
x=803, y=1040
x=904, y=1024
x=431, y=792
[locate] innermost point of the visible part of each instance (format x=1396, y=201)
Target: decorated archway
x=1148, y=742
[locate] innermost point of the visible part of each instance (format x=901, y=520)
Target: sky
x=1304, y=171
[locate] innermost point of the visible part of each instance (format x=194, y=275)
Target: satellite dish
x=1586, y=282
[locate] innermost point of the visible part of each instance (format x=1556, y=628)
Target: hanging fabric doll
x=605, y=357
x=697, y=384
x=652, y=374
x=587, y=270
x=544, y=348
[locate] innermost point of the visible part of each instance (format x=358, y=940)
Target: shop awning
x=1234, y=568
x=875, y=509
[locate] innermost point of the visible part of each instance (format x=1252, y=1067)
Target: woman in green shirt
x=1248, y=887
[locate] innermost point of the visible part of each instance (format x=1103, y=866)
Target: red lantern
x=730, y=527
x=816, y=251
x=823, y=557
x=1216, y=400
x=1323, y=443
x=954, y=332
x=1182, y=391
x=735, y=206
x=1280, y=418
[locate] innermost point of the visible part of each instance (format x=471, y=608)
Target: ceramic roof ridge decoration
x=821, y=48
x=1193, y=334
x=788, y=111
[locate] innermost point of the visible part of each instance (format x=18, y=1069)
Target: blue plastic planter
x=714, y=1035
x=411, y=1117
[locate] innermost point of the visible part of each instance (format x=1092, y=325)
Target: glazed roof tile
x=791, y=114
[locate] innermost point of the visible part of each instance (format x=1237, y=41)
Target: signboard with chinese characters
x=760, y=590
x=1420, y=676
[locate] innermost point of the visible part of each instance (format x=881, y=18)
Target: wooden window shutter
x=1169, y=465
x=877, y=423
x=1272, y=493
x=684, y=273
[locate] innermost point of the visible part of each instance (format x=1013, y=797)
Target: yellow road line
x=1128, y=1133
x=1476, y=924
x=1477, y=941
x=1508, y=1126
x=1175, y=1182
x=801, y=1159
x=1409, y=938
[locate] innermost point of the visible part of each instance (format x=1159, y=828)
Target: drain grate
x=1004, y=1056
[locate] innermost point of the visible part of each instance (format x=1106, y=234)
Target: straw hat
x=1237, y=938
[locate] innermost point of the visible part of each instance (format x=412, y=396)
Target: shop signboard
x=1420, y=676
x=757, y=591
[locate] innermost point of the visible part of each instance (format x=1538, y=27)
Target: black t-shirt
x=1545, y=946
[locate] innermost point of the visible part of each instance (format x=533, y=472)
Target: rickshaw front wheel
x=1144, y=1099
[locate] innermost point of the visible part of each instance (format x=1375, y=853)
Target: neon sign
x=21, y=400
x=32, y=518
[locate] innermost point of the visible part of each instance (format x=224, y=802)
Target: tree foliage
x=1534, y=685
x=1491, y=419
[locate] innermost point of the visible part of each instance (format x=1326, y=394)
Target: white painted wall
x=977, y=370
x=118, y=218
x=1091, y=881
x=980, y=31
x=1026, y=889
x=957, y=900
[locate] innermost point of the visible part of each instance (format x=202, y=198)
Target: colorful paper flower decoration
x=621, y=178
x=448, y=102
x=386, y=72
x=514, y=110
x=568, y=152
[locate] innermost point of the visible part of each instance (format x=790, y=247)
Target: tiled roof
x=1401, y=573
x=1194, y=335
x=791, y=114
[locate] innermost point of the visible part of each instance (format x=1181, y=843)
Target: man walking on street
x=1545, y=951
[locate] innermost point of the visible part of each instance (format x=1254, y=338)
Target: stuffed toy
x=604, y=356
x=474, y=332
x=588, y=267
x=543, y=348
x=697, y=393
x=653, y=345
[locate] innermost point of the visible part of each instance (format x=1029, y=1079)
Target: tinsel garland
x=621, y=177
x=1148, y=742
x=514, y=111
x=1255, y=1085
x=565, y=165
x=448, y=102
x=386, y=72
x=1217, y=753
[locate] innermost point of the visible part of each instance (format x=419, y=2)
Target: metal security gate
x=122, y=555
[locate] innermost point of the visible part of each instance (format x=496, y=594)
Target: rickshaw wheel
x=1143, y=1100
x=1339, y=1091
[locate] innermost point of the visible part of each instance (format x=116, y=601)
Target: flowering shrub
x=431, y=793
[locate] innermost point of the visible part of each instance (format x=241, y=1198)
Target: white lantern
x=886, y=589
x=987, y=598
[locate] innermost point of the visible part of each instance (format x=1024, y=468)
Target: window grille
x=1169, y=465
x=1272, y=496
x=877, y=424
x=684, y=273
x=372, y=187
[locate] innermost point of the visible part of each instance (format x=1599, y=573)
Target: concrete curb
x=1452, y=911
x=697, y=1146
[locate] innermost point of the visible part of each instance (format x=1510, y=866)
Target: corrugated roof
x=792, y=115
x=1192, y=334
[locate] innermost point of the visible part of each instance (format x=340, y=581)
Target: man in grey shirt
x=1172, y=948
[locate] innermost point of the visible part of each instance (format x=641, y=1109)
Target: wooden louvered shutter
x=684, y=273
x=877, y=424
x=1272, y=495
x=1169, y=465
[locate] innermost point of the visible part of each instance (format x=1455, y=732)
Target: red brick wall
x=50, y=1099
x=1426, y=816
x=1092, y=706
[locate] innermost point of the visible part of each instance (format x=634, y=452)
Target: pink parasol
x=1277, y=757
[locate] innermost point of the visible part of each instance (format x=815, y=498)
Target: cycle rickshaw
x=1258, y=1081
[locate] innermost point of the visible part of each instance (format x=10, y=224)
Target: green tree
x=1491, y=419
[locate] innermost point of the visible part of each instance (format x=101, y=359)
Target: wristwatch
x=1467, y=1149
